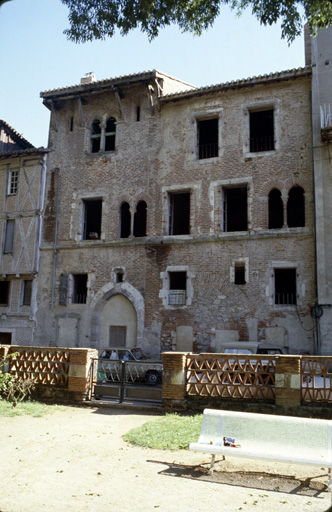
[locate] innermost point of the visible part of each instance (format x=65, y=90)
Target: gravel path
x=76, y=460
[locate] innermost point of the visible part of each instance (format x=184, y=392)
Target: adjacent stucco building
x=22, y=185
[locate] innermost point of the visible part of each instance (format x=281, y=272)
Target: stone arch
x=100, y=301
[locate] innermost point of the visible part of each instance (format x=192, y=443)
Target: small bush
x=12, y=388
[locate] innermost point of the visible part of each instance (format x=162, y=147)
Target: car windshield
x=139, y=354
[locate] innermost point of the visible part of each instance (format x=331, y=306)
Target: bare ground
x=76, y=460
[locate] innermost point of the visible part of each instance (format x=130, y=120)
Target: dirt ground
x=76, y=460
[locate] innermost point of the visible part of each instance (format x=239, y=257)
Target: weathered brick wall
x=153, y=155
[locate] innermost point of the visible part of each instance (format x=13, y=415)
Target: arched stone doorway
x=118, y=316
x=118, y=323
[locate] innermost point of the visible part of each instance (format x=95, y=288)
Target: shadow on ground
x=256, y=480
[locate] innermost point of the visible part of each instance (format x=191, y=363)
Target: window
x=138, y=114
x=71, y=124
x=125, y=226
x=4, y=293
x=261, y=130
x=295, y=208
x=119, y=277
x=285, y=286
x=13, y=183
x=95, y=136
x=140, y=219
x=207, y=138
x=9, y=237
x=177, y=288
x=92, y=219
x=276, y=210
x=240, y=273
x=179, y=213
x=27, y=292
x=5, y=338
x=235, y=214
x=79, y=288
x=110, y=134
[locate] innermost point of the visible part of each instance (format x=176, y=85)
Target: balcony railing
x=208, y=150
x=285, y=298
x=177, y=297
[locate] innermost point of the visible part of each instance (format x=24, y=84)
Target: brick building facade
x=22, y=185
x=179, y=217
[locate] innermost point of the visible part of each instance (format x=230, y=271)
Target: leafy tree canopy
x=98, y=19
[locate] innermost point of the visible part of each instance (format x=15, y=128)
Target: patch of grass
x=29, y=408
x=171, y=432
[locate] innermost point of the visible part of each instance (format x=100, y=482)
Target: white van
x=250, y=347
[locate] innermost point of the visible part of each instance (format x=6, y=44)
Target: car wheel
x=152, y=378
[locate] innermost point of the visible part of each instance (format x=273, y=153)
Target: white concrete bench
x=262, y=436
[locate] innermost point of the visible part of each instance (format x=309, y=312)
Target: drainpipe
x=57, y=172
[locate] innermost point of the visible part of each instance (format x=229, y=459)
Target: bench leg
x=213, y=458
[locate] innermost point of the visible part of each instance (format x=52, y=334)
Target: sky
x=36, y=56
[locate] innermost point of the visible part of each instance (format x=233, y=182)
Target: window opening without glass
x=235, y=211
x=239, y=273
x=95, y=136
x=92, y=219
x=261, y=128
x=79, y=289
x=295, y=208
x=179, y=213
x=285, y=286
x=110, y=134
x=125, y=220
x=140, y=219
x=276, y=210
x=4, y=293
x=207, y=133
x=177, y=295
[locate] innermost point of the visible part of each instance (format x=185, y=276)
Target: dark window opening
x=95, y=136
x=125, y=220
x=207, y=131
x=140, y=219
x=235, y=214
x=138, y=114
x=119, y=277
x=179, y=214
x=261, y=131
x=71, y=124
x=295, y=208
x=92, y=219
x=9, y=237
x=276, y=210
x=239, y=273
x=285, y=286
x=5, y=338
x=110, y=134
x=27, y=292
x=4, y=293
x=177, y=295
x=80, y=289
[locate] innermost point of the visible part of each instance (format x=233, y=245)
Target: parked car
x=251, y=347
x=140, y=367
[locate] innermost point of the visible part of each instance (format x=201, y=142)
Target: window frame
x=9, y=237
x=13, y=181
x=164, y=293
x=172, y=214
x=225, y=208
x=6, y=293
x=197, y=117
x=294, y=293
x=74, y=287
x=85, y=201
x=26, y=292
x=273, y=104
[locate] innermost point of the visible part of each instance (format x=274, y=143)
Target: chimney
x=88, y=78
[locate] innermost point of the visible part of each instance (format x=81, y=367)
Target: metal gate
x=126, y=381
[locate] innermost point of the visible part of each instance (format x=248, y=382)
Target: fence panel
x=231, y=376
x=316, y=379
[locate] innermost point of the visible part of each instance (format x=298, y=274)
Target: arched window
x=276, y=210
x=140, y=219
x=295, y=208
x=95, y=136
x=110, y=134
x=125, y=220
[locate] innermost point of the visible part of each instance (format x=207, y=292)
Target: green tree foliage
x=98, y=19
